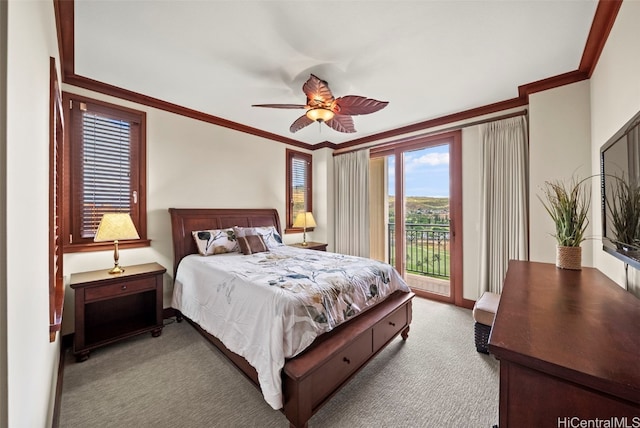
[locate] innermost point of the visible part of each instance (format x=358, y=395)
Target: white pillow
x=215, y=241
x=269, y=234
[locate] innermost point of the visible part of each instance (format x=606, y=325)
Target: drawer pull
x=346, y=360
x=392, y=324
x=124, y=287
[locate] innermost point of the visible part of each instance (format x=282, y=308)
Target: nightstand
x=318, y=246
x=111, y=307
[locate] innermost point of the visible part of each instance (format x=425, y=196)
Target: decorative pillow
x=251, y=244
x=215, y=241
x=269, y=234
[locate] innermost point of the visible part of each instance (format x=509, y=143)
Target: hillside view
x=422, y=209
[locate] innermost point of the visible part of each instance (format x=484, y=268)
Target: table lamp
x=304, y=220
x=115, y=227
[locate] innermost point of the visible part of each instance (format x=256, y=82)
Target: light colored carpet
x=435, y=379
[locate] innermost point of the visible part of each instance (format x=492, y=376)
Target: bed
x=309, y=377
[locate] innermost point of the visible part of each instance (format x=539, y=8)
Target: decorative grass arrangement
x=568, y=205
x=624, y=210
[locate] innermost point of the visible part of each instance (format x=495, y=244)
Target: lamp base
x=116, y=256
x=116, y=269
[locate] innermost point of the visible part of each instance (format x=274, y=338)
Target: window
x=299, y=193
x=105, y=170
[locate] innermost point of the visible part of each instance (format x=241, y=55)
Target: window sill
x=104, y=246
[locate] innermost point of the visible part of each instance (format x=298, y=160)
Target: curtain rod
x=430, y=133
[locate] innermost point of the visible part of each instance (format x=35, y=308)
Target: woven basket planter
x=569, y=258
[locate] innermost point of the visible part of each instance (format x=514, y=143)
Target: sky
x=426, y=172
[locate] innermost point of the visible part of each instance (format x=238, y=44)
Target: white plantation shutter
x=56, y=259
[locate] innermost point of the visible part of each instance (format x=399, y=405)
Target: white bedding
x=270, y=306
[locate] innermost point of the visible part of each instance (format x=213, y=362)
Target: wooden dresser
x=569, y=348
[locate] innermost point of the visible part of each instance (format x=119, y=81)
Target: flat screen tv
x=620, y=181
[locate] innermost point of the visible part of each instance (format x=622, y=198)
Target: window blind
x=298, y=191
x=104, y=169
x=300, y=186
x=106, y=172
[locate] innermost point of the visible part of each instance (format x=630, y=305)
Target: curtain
x=351, y=182
x=504, y=199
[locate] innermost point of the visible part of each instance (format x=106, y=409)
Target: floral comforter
x=270, y=306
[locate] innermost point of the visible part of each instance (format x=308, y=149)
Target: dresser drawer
x=340, y=367
x=120, y=289
x=389, y=327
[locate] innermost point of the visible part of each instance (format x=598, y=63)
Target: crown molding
x=605, y=17
x=603, y=21
x=125, y=94
x=551, y=82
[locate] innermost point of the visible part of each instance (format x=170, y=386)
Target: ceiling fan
x=323, y=107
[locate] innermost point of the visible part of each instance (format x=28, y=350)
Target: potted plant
x=568, y=205
x=624, y=211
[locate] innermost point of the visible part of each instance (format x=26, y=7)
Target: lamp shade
x=304, y=220
x=115, y=227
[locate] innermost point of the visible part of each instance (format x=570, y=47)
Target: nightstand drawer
x=120, y=289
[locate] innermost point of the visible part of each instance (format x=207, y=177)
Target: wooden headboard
x=186, y=220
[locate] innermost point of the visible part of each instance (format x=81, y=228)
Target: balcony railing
x=426, y=249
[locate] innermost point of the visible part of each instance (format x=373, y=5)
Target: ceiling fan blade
x=354, y=104
x=317, y=92
x=300, y=123
x=291, y=106
x=342, y=124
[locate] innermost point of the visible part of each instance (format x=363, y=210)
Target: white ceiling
x=427, y=58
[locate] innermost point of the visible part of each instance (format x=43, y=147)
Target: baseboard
x=468, y=304
x=169, y=313
x=463, y=303
x=65, y=343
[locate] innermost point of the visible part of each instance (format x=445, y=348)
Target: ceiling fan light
x=320, y=114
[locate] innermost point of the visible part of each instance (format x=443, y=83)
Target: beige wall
x=32, y=361
x=559, y=148
x=615, y=98
x=193, y=164
x=3, y=215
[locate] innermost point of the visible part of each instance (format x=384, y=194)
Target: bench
x=484, y=312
